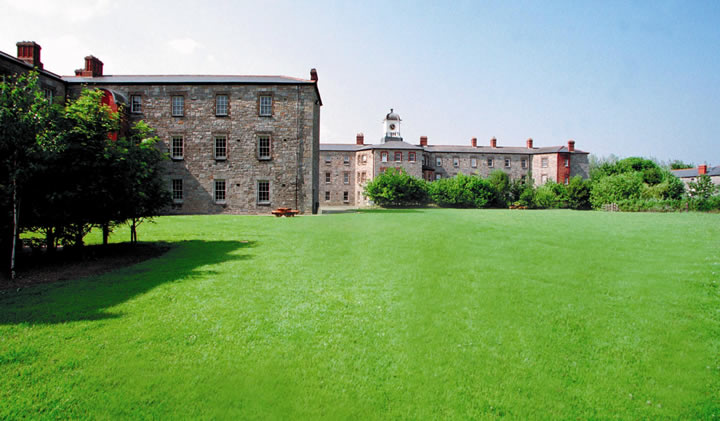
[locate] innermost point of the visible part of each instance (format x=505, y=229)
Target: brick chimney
x=93, y=67
x=493, y=143
x=29, y=52
x=571, y=145
x=529, y=143
x=313, y=74
x=360, y=139
x=702, y=169
x=473, y=141
x=423, y=140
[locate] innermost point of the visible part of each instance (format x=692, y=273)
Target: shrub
x=551, y=195
x=614, y=188
x=500, y=182
x=397, y=188
x=578, y=193
x=462, y=191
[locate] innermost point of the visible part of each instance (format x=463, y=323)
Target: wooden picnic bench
x=285, y=212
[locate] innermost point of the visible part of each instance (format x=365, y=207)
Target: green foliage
x=462, y=191
x=578, y=193
x=679, y=165
x=500, y=182
x=397, y=188
x=613, y=188
x=551, y=195
x=702, y=187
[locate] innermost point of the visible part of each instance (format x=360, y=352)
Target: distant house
x=691, y=174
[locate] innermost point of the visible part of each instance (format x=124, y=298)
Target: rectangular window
x=507, y=162
x=473, y=162
x=264, y=147
x=398, y=156
x=328, y=159
x=363, y=176
x=567, y=163
x=266, y=105
x=177, y=190
x=178, y=106
x=490, y=162
x=176, y=149
x=364, y=159
x=544, y=162
x=346, y=177
x=221, y=105
x=346, y=159
x=456, y=162
x=135, y=104
x=383, y=156
x=219, y=191
x=327, y=196
x=567, y=180
x=220, y=147
x=543, y=178
x=346, y=196
x=524, y=163
x=263, y=192
x=327, y=177
x=411, y=156
x=438, y=162
x=438, y=176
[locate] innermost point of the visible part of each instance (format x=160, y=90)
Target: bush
x=551, y=195
x=578, y=193
x=615, y=188
x=397, y=188
x=462, y=191
x=500, y=182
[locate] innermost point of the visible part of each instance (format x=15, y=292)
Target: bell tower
x=391, y=126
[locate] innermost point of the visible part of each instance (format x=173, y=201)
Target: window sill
x=222, y=115
x=265, y=159
x=263, y=203
x=178, y=116
x=177, y=158
x=265, y=115
x=177, y=201
x=221, y=202
x=220, y=159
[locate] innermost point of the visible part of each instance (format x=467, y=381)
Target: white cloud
x=184, y=45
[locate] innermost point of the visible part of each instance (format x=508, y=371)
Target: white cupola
x=391, y=126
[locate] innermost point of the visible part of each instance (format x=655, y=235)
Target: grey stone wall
x=337, y=167
x=482, y=169
x=46, y=81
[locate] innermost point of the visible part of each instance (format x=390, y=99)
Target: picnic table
x=285, y=212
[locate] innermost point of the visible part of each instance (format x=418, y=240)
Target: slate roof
x=447, y=148
x=693, y=172
x=188, y=80
x=29, y=66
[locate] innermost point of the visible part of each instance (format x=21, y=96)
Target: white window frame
x=260, y=192
x=220, y=195
x=456, y=161
x=383, y=156
x=346, y=177
x=177, y=106
x=260, y=147
x=567, y=162
x=346, y=159
x=222, y=107
x=328, y=159
x=364, y=159
x=523, y=163
x=473, y=162
x=136, y=106
x=177, y=190
x=438, y=162
x=507, y=162
x=544, y=163
x=490, y=163
x=175, y=148
x=266, y=105
x=220, y=144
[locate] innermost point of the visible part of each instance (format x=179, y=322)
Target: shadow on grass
x=393, y=210
x=89, y=298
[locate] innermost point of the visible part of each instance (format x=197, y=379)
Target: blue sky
x=629, y=78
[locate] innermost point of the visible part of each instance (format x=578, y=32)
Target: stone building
x=237, y=144
x=688, y=175
x=346, y=168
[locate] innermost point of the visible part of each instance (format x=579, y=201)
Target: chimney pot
x=702, y=169
x=473, y=141
x=360, y=139
x=423, y=140
x=313, y=74
x=571, y=145
x=93, y=67
x=530, y=143
x=29, y=52
x=493, y=143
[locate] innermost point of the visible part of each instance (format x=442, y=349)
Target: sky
x=630, y=78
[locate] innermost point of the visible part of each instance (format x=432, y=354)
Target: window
x=135, y=104
x=567, y=180
x=266, y=105
x=364, y=159
x=363, y=176
x=490, y=162
x=567, y=163
x=346, y=177
x=327, y=176
x=473, y=162
x=176, y=149
x=263, y=197
x=328, y=159
x=438, y=176
x=398, y=156
x=178, y=106
x=438, y=162
x=544, y=163
x=507, y=162
x=221, y=105
x=327, y=196
x=411, y=156
x=48, y=95
x=346, y=159
x=264, y=147
x=456, y=162
x=543, y=178
x=177, y=190
x=220, y=191
x=220, y=147
x=383, y=156
x=523, y=163
x=346, y=196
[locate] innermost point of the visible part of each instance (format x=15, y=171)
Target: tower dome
x=391, y=126
x=392, y=116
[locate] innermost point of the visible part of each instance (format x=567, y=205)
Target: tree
x=500, y=182
x=702, y=188
x=462, y=191
x=25, y=132
x=578, y=193
x=397, y=188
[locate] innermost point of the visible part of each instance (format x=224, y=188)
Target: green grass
x=441, y=314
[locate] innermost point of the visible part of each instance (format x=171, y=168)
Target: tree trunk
x=106, y=233
x=50, y=240
x=15, y=228
x=133, y=231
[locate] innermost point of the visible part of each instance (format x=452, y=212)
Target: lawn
x=418, y=314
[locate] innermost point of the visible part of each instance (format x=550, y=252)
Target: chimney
x=473, y=141
x=571, y=145
x=529, y=143
x=313, y=75
x=29, y=52
x=423, y=140
x=93, y=67
x=360, y=139
x=702, y=169
x=493, y=143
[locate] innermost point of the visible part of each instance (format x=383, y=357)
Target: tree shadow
x=393, y=210
x=89, y=298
